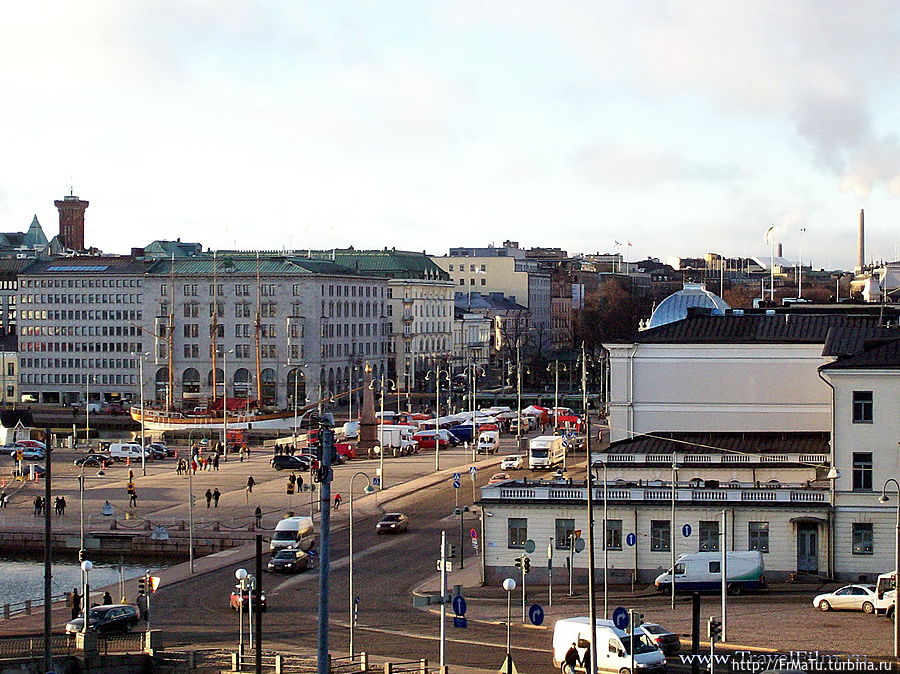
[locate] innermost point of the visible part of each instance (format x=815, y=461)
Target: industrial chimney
x=861, y=241
x=778, y=250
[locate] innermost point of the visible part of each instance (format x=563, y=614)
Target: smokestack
x=861, y=241
x=778, y=250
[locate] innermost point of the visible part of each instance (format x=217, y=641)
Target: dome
x=675, y=306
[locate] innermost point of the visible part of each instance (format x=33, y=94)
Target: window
x=517, y=532
x=613, y=534
x=660, y=535
x=862, y=538
x=759, y=536
x=862, y=471
x=862, y=407
x=564, y=529
x=715, y=567
x=709, y=536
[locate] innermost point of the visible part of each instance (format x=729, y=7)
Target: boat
x=161, y=420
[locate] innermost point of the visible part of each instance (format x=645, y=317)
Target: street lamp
x=672, y=528
x=605, y=538
x=225, y=402
x=884, y=499
x=438, y=373
x=555, y=366
x=241, y=575
x=474, y=369
x=380, y=448
x=509, y=585
x=368, y=490
x=86, y=567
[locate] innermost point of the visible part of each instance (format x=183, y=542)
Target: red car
x=428, y=440
x=345, y=450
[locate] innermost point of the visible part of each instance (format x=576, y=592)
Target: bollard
x=423, y=666
x=235, y=662
x=27, y=607
x=388, y=668
x=363, y=661
x=6, y=611
x=279, y=663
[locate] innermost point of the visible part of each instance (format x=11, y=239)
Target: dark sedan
x=668, y=642
x=392, y=523
x=285, y=462
x=288, y=560
x=98, y=460
x=107, y=619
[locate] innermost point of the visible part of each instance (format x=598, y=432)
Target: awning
x=809, y=519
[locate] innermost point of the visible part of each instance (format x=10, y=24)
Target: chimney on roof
x=71, y=221
x=861, y=241
x=778, y=250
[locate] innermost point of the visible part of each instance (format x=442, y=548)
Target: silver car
x=847, y=598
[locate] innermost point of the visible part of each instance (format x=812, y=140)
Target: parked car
x=106, y=619
x=847, y=598
x=497, y=478
x=165, y=448
x=26, y=470
x=288, y=560
x=30, y=443
x=120, y=451
x=286, y=462
x=666, y=641
x=237, y=598
x=512, y=462
x=428, y=439
x=28, y=453
x=392, y=523
x=98, y=460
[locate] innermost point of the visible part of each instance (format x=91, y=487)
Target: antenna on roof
x=71, y=187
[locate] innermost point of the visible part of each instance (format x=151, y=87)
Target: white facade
x=716, y=387
x=472, y=339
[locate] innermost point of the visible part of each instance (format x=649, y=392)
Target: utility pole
x=323, y=661
x=259, y=590
x=443, y=594
x=48, y=560
x=592, y=599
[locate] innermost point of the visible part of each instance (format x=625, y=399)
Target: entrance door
x=808, y=547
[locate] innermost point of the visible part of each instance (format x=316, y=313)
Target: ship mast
x=214, y=330
x=257, y=328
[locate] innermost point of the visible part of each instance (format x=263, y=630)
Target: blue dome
x=675, y=306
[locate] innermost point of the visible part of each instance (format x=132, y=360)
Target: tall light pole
x=380, y=446
x=438, y=374
x=475, y=368
x=86, y=567
x=509, y=585
x=800, y=266
x=368, y=490
x=241, y=575
x=672, y=528
x=87, y=412
x=225, y=401
x=605, y=538
x=191, y=512
x=143, y=431
x=884, y=499
x=592, y=599
x=555, y=366
x=770, y=236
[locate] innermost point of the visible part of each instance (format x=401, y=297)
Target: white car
x=512, y=462
x=848, y=598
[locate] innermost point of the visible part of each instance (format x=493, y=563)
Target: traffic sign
x=473, y=533
x=529, y=546
x=508, y=666
x=473, y=470
x=448, y=565
x=620, y=618
x=456, y=484
x=630, y=540
x=459, y=605
x=455, y=476
x=475, y=544
x=460, y=621
x=376, y=481
x=579, y=545
x=686, y=531
x=536, y=614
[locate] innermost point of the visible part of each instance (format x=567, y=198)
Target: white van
x=613, y=646
x=488, y=442
x=127, y=450
x=701, y=571
x=884, y=594
x=297, y=532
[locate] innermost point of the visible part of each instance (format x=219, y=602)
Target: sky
x=678, y=127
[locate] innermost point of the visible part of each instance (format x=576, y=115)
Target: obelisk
x=368, y=424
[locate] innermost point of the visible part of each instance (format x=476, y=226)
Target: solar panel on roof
x=98, y=267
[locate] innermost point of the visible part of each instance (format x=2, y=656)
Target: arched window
x=190, y=381
x=296, y=385
x=241, y=382
x=162, y=383
x=269, y=381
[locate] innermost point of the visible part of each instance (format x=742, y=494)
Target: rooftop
x=875, y=354
x=675, y=306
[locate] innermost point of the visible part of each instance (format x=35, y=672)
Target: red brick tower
x=71, y=221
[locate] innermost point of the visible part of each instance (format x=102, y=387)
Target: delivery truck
x=700, y=571
x=546, y=452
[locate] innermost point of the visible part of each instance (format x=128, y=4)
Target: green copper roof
x=34, y=237
x=247, y=265
x=391, y=263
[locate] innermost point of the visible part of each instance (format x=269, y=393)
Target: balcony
x=709, y=459
x=731, y=493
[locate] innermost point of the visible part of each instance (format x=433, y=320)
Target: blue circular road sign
x=456, y=484
x=631, y=539
x=620, y=618
x=536, y=614
x=459, y=605
x=686, y=531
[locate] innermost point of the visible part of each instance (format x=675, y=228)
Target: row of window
x=462, y=267
x=76, y=379
x=361, y=349
x=83, y=298
x=661, y=535
x=90, y=363
x=462, y=282
x=82, y=331
x=82, y=283
x=123, y=347
x=81, y=315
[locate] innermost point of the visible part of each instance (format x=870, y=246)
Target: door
x=808, y=547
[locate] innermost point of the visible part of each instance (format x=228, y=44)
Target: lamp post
x=87, y=412
x=86, y=567
x=518, y=397
x=509, y=585
x=225, y=401
x=380, y=447
x=605, y=539
x=884, y=499
x=555, y=366
x=368, y=490
x=800, y=266
x=241, y=575
x=191, y=513
x=672, y=529
x=438, y=373
x=475, y=368
x=143, y=432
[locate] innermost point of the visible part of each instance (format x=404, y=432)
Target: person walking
x=75, y=602
x=132, y=494
x=571, y=659
x=216, y=461
x=38, y=505
x=250, y=483
x=586, y=660
x=62, y=505
x=107, y=598
x=3, y=498
x=208, y=498
x=299, y=482
x=56, y=505
x=216, y=496
x=257, y=515
x=194, y=466
x=337, y=501
x=130, y=475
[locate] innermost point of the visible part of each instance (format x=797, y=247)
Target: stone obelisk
x=368, y=424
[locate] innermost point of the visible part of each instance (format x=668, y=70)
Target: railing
x=706, y=459
x=730, y=492
x=33, y=647
x=8, y=610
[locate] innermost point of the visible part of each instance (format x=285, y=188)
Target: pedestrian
x=132, y=494
x=194, y=466
x=3, y=498
x=586, y=660
x=56, y=505
x=130, y=475
x=257, y=514
x=299, y=482
x=292, y=480
x=62, y=505
x=208, y=498
x=216, y=496
x=38, y=505
x=571, y=659
x=241, y=454
x=250, y=483
x=107, y=598
x=216, y=461
x=337, y=501
x=75, y=602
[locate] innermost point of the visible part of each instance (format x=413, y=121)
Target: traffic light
x=142, y=586
x=714, y=629
x=638, y=619
x=518, y=562
x=527, y=562
x=451, y=551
